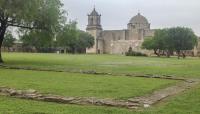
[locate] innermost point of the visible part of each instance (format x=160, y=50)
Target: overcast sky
x=117, y=13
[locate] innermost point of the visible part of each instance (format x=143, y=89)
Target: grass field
x=100, y=86
x=107, y=63
x=187, y=103
x=81, y=85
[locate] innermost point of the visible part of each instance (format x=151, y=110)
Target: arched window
x=91, y=21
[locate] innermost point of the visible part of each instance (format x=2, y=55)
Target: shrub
x=134, y=53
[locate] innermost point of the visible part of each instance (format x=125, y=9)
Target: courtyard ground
x=71, y=81
x=107, y=63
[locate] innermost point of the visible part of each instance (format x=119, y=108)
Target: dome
x=138, y=19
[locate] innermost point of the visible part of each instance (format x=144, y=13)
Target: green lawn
x=100, y=86
x=81, y=85
x=187, y=103
x=107, y=63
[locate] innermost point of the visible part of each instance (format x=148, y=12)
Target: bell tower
x=94, y=28
x=94, y=21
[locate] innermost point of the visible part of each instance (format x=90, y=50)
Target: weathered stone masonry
x=118, y=41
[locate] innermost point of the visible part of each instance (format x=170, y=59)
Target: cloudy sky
x=117, y=13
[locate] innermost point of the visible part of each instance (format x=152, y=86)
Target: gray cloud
x=117, y=13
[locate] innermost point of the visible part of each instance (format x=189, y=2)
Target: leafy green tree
x=85, y=40
x=177, y=39
x=9, y=40
x=182, y=39
x=29, y=14
x=156, y=43
x=149, y=44
x=159, y=41
x=67, y=37
x=73, y=40
x=41, y=40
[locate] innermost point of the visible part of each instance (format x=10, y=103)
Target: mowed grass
x=188, y=67
x=100, y=86
x=81, y=85
x=187, y=103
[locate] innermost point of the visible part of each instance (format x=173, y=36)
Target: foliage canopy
x=167, y=41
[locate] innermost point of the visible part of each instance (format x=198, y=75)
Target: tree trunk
x=178, y=53
x=168, y=54
x=157, y=52
x=184, y=55
x=1, y=41
x=3, y=28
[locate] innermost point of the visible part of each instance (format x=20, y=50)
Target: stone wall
x=149, y=33
x=112, y=35
x=198, y=48
x=95, y=33
x=122, y=46
x=134, y=34
x=119, y=41
x=100, y=46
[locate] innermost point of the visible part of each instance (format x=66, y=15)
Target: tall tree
x=29, y=14
x=74, y=40
x=182, y=39
x=68, y=36
x=156, y=43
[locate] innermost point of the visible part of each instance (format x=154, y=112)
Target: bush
x=134, y=53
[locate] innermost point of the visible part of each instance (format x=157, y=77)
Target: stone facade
x=118, y=41
x=197, y=50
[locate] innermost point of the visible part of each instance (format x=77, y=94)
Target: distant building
x=118, y=41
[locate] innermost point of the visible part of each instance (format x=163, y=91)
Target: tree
x=68, y=36
x=29, y=14
x=9, y=40
x=183, y=39
x=155, y=43
x=177, y=39
x=149, y=44
x=74, y=40
x=85, y=40
x=41, y=40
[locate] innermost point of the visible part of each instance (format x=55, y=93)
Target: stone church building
x=118, y=41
